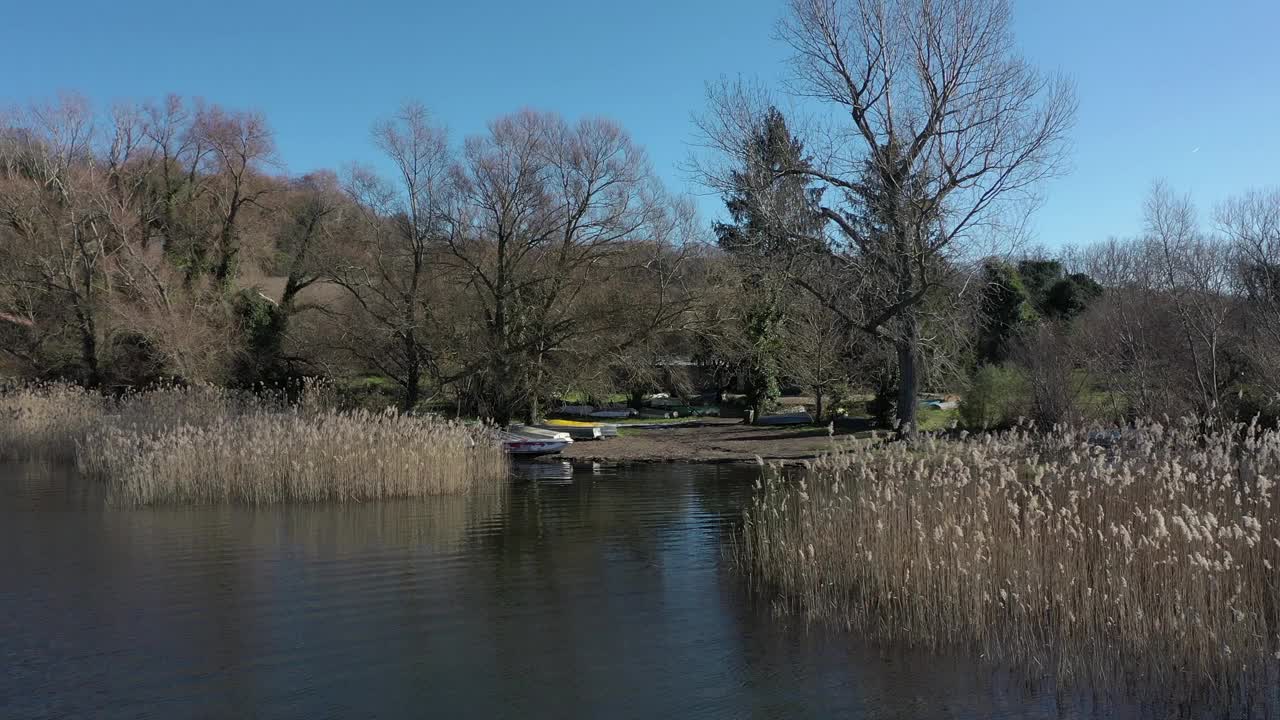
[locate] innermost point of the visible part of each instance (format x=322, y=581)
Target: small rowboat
x=536, y=431
x=532, y=445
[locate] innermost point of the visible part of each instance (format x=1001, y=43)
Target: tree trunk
x=533, y=409
x=227, y=245
x=413, y=373
x=817, y=399
x=412, y=390
x=531, y=414
x=89, y=348
x=908, y=375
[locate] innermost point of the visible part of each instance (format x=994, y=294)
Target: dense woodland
x=863, y=260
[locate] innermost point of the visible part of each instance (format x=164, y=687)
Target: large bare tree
x=59, y=238
x=941, y=132
x=388, y=270
x=546, y=215
x=240, y=146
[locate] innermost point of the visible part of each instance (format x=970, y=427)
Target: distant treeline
x=543, y=258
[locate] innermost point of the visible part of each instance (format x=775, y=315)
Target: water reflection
x=550, y=470
x=593, y=593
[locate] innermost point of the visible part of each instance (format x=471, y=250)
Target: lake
x=595, y=593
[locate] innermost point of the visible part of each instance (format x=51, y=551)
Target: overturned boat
x=582, y=430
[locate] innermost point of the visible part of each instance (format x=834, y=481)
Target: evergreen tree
x=1070, y=296
x=768, y=210
x=895, y=261
x=1053, y=294
x=1006, y=310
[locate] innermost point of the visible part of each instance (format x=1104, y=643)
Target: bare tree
x=817, y=352
x=388, y=271
x=944, y=131
x=1251, y=223
x=59, y=241
x=1056, y=388
x=543, y=210
x=314, y=213
x=1195, y=276
x=240, y=144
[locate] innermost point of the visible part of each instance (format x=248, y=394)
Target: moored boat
x=540, y=432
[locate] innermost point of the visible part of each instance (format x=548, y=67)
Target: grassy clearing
x=1152, y=564
x=204, y=445
x=934, y=420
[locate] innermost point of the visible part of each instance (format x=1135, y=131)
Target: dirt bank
x=710, y=441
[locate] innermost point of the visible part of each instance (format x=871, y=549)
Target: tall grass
x=1152, y=564
x=205, y=445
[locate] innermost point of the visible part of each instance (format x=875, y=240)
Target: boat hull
x=533, y=445
x=577, y=432
x=606, y=429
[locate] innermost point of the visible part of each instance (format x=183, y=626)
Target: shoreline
x=708, y=442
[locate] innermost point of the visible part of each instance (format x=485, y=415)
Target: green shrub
x=998, y=395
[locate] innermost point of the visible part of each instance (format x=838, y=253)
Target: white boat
x=539, y=431
x=531, y=445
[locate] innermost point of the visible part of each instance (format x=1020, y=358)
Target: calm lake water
x=599, y=593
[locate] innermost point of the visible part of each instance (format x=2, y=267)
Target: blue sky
x=1184, y=91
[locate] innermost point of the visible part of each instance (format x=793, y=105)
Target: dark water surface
x=595, y=594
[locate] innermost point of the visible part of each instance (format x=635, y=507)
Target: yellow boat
x=606, y=429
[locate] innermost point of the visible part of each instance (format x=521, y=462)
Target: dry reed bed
x=44, y=421
x=206, y=445
x=1151, y=565
x=48, y=420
